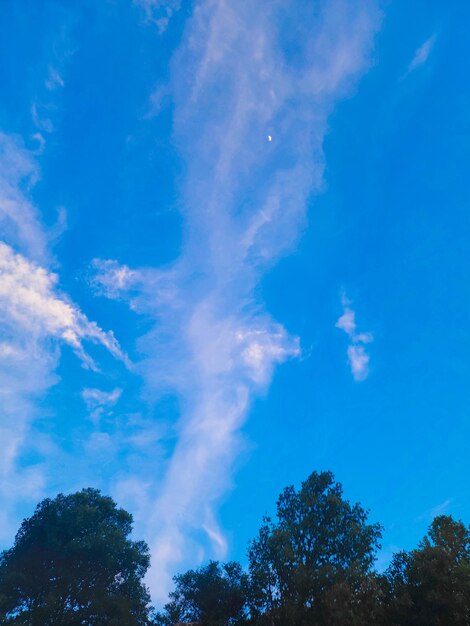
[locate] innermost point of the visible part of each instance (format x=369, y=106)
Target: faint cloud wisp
x=358, y=356
x=159, y=12
x=421, y=55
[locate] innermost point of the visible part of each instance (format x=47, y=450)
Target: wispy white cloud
x=347, y=321
x=36, y=320
x=54, y=79
x=112, y=279
x=99, y=402
x=159, y=12
x=235, y=81
x=19, y=219
x=359, y=361
x=422, y=54
x=31, y=304
x=98, y=398
x=41, y=118
x=358, y=356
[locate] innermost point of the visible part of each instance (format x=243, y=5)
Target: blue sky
x=234, y=250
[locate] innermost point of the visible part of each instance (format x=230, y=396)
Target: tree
x=313, y=564
x=430, y=586
x=73, y=564
x=214, y=595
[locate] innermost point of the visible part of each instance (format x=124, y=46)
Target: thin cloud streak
x=20, y=223
x=441, y=508
x=245, y=203
x=422, y=54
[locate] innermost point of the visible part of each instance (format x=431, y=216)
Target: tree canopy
x=312, y=564
x=73, y=564
x=431, y=585
x=214, y=595
x=314, y=561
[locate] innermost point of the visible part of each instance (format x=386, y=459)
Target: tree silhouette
x=73, y=564
x=214, y=595
x=313, y=563
x=430, y=586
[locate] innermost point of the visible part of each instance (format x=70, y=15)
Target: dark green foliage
x=313, y=564
x=430, y=586
x=72, y=564
x=214, y=595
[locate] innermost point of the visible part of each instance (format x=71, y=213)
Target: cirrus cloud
x=250, y=115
